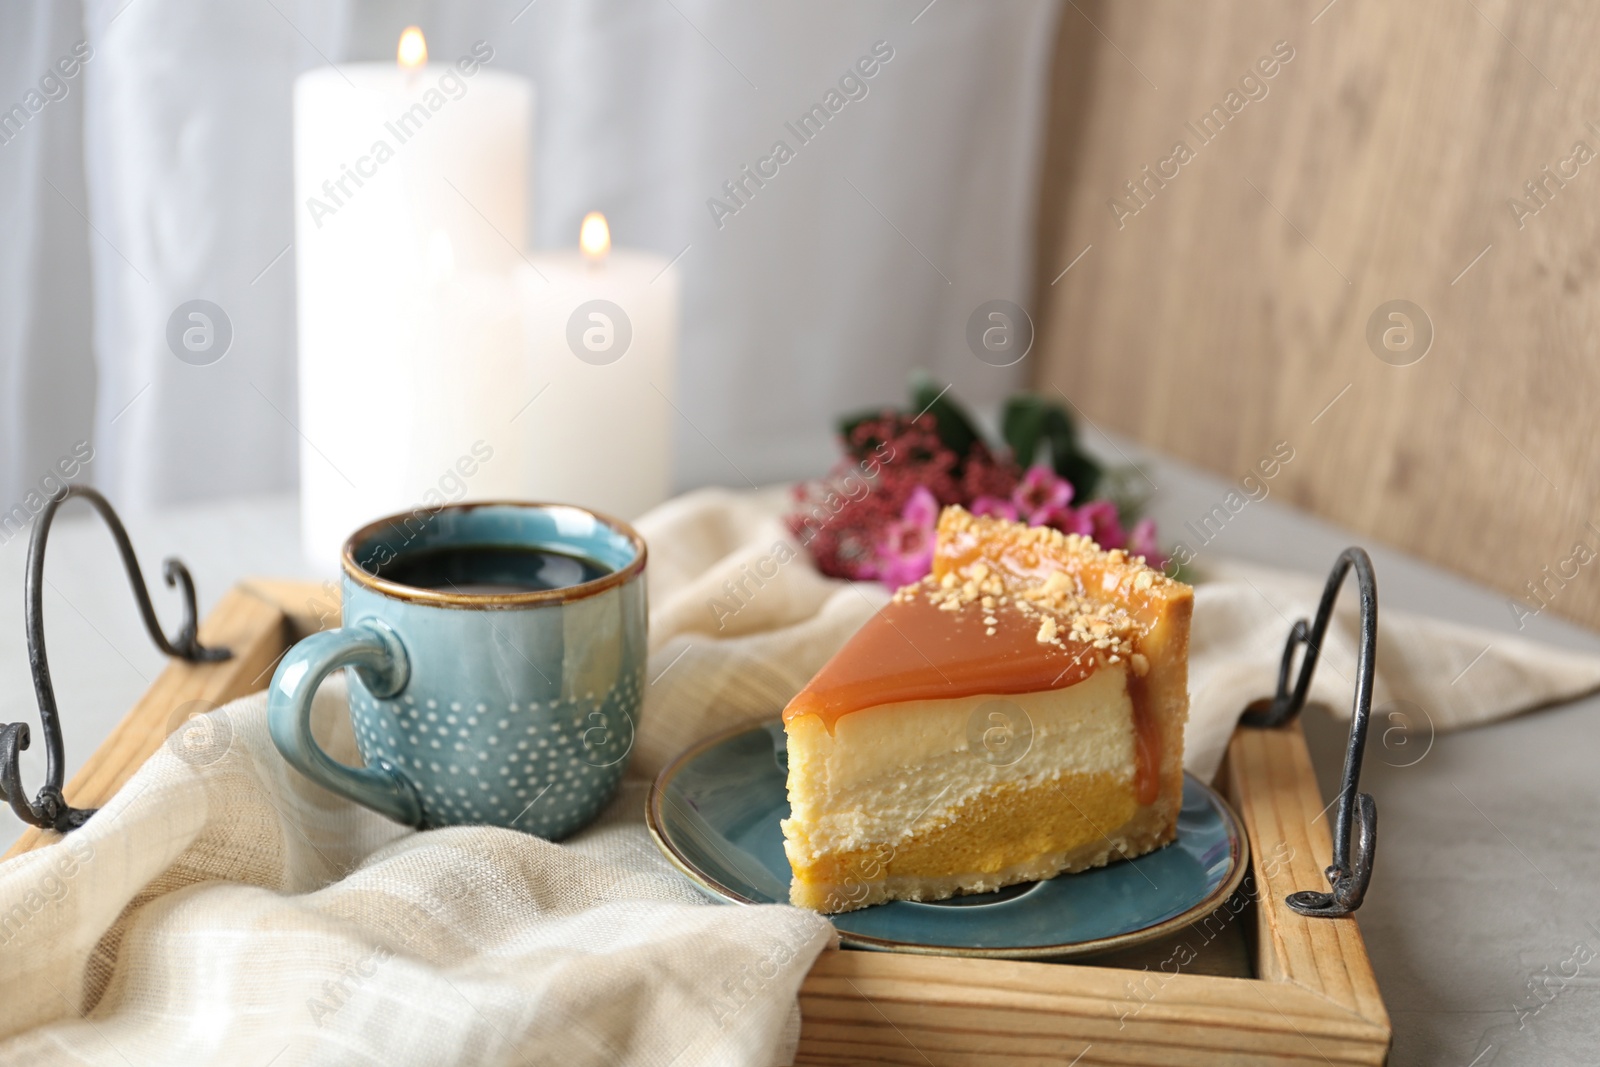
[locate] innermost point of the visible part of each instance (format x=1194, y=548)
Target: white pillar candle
x=410, y=185
x=603, y=345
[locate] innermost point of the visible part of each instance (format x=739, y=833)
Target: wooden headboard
x=1215, y=299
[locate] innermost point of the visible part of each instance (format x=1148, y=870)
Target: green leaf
x=1024, y=423
x=951, y=421
x=1029, y=421
x=1068, y=457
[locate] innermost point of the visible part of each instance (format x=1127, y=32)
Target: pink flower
x=905, y=550
x=995, y=506
x=1103, y=524
x=1064, y=519
x=922, y=508
x=1142, y=542
x=1039, y=491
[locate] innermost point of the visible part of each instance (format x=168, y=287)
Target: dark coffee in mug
x=496, y=657
x=492, y=570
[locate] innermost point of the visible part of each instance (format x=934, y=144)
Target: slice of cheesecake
x=1016, y=714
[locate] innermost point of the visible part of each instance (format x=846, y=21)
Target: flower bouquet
x=872, y=516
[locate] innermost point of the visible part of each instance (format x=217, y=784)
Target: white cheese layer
x=898, y=769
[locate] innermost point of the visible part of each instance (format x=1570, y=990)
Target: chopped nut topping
x=1075, y=591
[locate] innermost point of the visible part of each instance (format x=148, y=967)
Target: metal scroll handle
x=50, y=809
x=1357, y=814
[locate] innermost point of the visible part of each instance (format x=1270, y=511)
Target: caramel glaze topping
x=1009, y=609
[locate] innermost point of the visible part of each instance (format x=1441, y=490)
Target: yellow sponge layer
x=1002, y=830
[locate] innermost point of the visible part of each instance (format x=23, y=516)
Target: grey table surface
x=1486, y=895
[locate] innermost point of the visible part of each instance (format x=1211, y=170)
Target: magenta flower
x=1103, y=524
x=1040, y=491
x=905, y=551
x=1142, y=542
x=994, y=506
x=1064, y=519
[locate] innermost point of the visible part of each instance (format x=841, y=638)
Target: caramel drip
x=913, y=650
x=1146, y=743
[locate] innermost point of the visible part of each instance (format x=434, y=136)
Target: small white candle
x=410, y=185
x=603, y=345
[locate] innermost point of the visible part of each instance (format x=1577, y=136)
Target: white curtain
x=163, y=175
x=47, y=380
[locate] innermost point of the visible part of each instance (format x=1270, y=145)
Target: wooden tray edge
x=1316, y=1002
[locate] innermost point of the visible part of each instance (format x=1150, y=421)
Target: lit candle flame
x=413, y=50
x=594, y=237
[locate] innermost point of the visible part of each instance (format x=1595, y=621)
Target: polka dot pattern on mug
x=546, y=767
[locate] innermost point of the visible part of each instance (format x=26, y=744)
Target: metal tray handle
x=50, y=809
x=1357, y=814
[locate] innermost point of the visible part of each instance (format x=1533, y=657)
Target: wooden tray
x=1280, y=989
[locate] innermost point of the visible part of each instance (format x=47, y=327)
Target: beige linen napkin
x=222, y=909
x=1432, y=676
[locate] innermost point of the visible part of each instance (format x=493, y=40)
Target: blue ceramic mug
x=495, y=655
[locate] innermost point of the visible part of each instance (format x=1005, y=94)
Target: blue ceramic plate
x=714, y=811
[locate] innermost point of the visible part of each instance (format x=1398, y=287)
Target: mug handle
x=378, y=656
